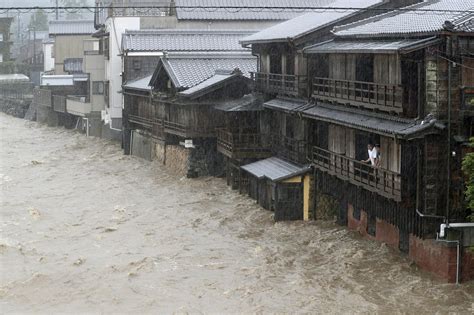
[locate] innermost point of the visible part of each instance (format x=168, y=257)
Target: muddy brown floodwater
x=86, y=229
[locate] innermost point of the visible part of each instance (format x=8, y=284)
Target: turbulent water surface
x=86, y=229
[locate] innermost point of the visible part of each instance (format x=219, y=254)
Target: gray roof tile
x=139, y=84
x=188, y=71
x=380, y=123
x=184, y=40
x=247, y=13
x=369, y=46
x=308, y=22
x=73, y=27
x=407, y=23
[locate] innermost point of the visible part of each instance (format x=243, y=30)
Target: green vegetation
x=39, y=21
x=468, y=168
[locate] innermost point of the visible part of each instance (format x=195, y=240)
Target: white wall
x=116, y=26
x=48, y=60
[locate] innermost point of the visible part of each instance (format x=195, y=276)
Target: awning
x=247, y=103
x=372, y=122
x=139, y=84
x=286, y=105
x=275, y=169
x=368, y=46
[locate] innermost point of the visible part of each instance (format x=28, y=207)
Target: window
x=1, y=57
x=106, y=48
x=106, y=93
x=97, y=88
x=1, y=37
x=365, y=68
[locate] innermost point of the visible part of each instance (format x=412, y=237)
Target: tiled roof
x=464, y=23
x=184, y=40
x=308, y=22
x=275, y=169
x=247, y=103
x=140, y=84
x=73, y=27
x=187, y=71
x=246, y=13
x=217, y=79
x=406, y=22
x=404, y=128
x=286, y=105
x=370, y=46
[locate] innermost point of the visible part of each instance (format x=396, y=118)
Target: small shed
x=281, y=186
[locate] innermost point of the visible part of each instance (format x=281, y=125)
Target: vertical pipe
x=448, y=179
x=57, y=10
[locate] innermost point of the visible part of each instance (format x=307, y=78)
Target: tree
x=74, y=14
x=39, y=21
x=468, y=169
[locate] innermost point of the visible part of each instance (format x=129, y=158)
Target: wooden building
x=386, y=80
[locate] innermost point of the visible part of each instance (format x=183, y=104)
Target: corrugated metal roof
x=370, y=46
x=72, y=27
x=286, y=105
x=405, y=23
x=275, y=169
x=246, y=13
x=371, y=122
x=188, y=71
x=13, y=78
x=308, y=22
x=139, y=84
x=184, y=40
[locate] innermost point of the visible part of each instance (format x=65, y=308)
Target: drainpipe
x=448, y=179
x=87, y=126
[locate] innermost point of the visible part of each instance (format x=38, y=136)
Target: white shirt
x=372, y=156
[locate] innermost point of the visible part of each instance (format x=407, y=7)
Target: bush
x=468, y=169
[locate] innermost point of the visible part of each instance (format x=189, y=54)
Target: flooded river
x=86, y=229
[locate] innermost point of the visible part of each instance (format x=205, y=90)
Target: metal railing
x=42, y=97
x=241, y=143
x=293, y=85
x=59, y=103
x=387, y=97
x=384, y=182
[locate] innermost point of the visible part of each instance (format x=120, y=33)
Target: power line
x=231, y=8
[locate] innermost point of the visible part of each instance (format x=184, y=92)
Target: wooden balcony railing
x=242, y=144
x=386, y=97
x=59, y=103
x=42, y=97
x=155, y=126
x=293, y=85
x=185, y=130
x=378, y=180
x=289, y=148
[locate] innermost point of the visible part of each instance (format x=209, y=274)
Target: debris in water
x=110, y=229
x=35, y=214
x=79, y=261
x=34, y=162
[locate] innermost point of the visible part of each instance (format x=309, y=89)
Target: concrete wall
x=94, y=65
x=67, y=46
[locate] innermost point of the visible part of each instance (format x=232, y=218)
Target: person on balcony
x=372, y=153
x=378, y=161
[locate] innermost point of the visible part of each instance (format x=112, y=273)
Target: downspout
x=448, y=179
x=87, y=126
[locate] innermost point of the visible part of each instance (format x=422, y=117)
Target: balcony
x=282, y=84
x=59, y=103
x=78, y=105
x=188, y=131
x=154, y=126
x=385, y=97
x=380, y=181
x=289, y=148
x=242, y=144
